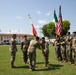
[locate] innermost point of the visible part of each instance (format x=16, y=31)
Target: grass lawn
x=54, y=68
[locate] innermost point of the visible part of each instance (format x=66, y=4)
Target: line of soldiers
x=29, y=50
x=65, y=47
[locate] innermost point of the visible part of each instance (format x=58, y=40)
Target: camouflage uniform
x=32, y=53
x=58, y=49
x=24, y=47
x=55, y=49
x=45, y=51
x=74, y=47
x=13, y=50
x=68, y=49
x=63, y=49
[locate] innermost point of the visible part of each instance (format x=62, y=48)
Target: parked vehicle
x=18, y=43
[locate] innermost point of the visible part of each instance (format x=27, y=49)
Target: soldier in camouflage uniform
x=74, y=46
x=54, y=44
x=68, y=47
x=45, y=50
x=63, y=48
x=24, y=47
x=32, y=52
x=58, y=48
x=13, y=49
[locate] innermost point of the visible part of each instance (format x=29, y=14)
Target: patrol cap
x=68, y=32
x=13, y=34
x=74, y=32
x=43, y=37
x=37, y=37
x=25, y=36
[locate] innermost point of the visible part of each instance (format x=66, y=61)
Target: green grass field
x=54, y=68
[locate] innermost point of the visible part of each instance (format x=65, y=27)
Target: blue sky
x=14, y=14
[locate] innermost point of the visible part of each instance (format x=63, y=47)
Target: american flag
x=59, y=24
x=33, y=28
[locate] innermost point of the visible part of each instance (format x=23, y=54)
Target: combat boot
x=12, y=65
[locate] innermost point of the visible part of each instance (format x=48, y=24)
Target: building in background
x=6, y=37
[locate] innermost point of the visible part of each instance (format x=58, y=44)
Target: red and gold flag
x=33, y=28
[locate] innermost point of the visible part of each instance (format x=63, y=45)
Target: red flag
x=59, y=24
x=33, y=28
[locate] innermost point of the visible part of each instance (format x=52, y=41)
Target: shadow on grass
x=51, y=67
x=22, y=67
x=40, y=63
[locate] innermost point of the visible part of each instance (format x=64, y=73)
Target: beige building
x=6, y=37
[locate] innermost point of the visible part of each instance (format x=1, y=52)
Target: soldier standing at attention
x=24, y=47
x=55, y=45
x=45, y=50
x=13, y=49
x=58, y=48
x=63, y=49
x=74, y=46
x=68, y=47
x=32, y=52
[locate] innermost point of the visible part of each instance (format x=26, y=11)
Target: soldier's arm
x=58, y=43
x=28, y=42
x=63, y=42
x=21, y=45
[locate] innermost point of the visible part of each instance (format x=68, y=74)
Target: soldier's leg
x=75, y=57
x=33, y=60
x=46, y=59
x=25, y=56
x=60, y=55
x=69, y=59
x=67, y=51
x=57, y=54
x=65, y=55
x=44, y=55
x=13, y=54
x=30, y=60
x=71, y=55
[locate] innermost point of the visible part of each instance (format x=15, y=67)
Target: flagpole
x=33, y=28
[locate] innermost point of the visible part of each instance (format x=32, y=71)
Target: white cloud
x=53, y=20
x=38, y=11
x=14, y=31
x=48, y=13
x=42, y=21
x=38, y=26
x=18, y=17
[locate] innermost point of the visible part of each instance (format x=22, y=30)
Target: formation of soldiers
x=65, y=48
x=28, y=49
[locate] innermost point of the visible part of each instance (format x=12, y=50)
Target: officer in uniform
x=24, y=47
x=32, y=52
x=45, y=50
x=13, y=49
x=74, y=46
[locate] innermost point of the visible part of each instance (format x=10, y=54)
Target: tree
x=65, y=26
x=49, y=29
